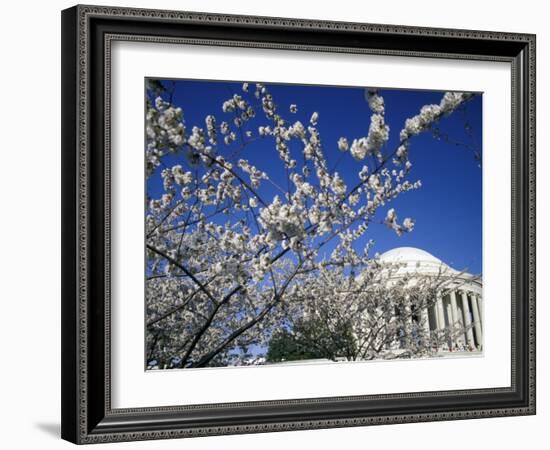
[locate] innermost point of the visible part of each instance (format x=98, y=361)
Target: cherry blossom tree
x=228, y=265
x=369, y=312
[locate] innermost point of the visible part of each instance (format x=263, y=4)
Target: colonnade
x=461, y=313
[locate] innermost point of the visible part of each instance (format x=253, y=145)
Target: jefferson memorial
x=459, y=307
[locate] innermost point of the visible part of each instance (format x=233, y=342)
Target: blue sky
x=448, y=207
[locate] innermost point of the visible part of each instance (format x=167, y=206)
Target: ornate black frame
x=87, y=32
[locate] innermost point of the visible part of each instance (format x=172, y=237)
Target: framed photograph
x=281, y=224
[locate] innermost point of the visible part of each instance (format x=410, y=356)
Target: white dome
x=414, y=260
x=408, y=254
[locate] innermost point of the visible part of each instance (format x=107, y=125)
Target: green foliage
x=285, y=347
x=312, y=339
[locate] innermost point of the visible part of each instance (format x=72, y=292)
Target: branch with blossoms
x=227, y=246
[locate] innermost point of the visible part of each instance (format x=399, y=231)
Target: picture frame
x=88, y=33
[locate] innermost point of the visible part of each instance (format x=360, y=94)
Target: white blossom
x=314, y=118
x=343, y=144
x=180, y=177
x=211, y=129
x=229, y=138
x=376, y=102
x=359, y=149
x=224, y=128
x=165, y=129
x=408, y=224
x=338, y=185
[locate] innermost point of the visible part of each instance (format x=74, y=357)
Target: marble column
x=409, y=325
x=479, y=302
x=440, y=314
x=477, y=320
x=467, y=320
x=448, y=312
x=435, y=315
x=456, y=319
x=450, y=321
x=395, y=343
x=426, y=321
